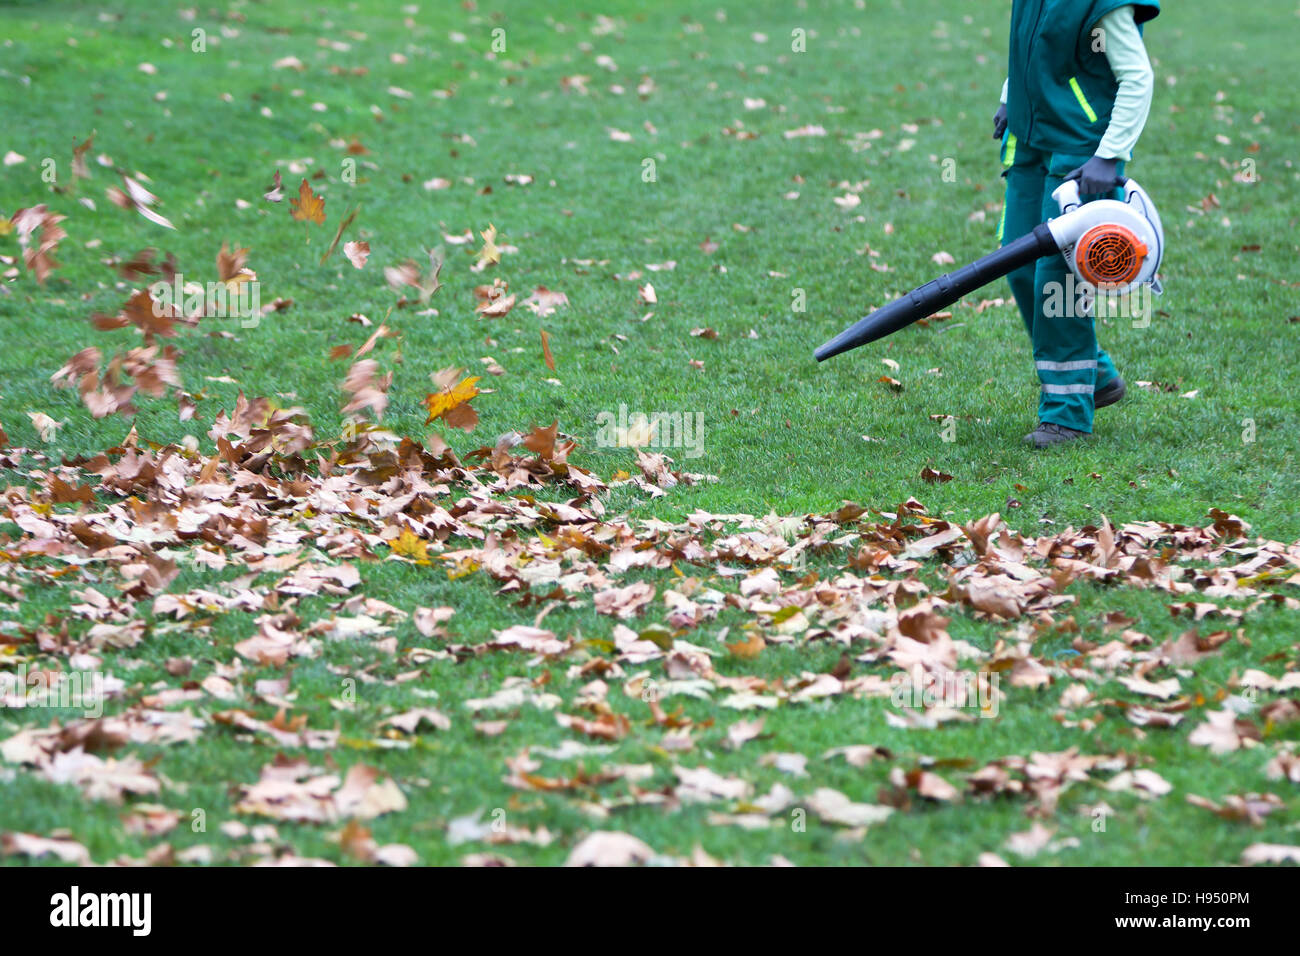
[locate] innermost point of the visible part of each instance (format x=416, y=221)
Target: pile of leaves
x=298, y=517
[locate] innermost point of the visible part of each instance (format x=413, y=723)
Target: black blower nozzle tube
x=941, y=292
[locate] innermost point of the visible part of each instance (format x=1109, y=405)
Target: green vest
x=1060, y=89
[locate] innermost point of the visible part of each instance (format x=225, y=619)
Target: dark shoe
x=1050, y=433
x=1109, y=394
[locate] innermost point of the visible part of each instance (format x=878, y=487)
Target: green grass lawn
x=551, y=140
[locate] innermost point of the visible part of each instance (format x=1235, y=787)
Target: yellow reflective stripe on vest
x=1083, y=100
x=1009, y=154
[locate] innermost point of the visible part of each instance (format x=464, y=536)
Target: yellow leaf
x=659, y=636
x=410, y=545
x=440, y=403
x=748, y=649
x=462, y=568
x=489, y=254
x=308, y=207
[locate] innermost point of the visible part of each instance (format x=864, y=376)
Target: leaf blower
x=1110, y=244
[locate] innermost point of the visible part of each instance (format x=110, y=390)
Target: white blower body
x=1110, y=244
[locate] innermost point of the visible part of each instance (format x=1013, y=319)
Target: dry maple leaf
x=1285, y=766
x=367, y=388
x=541, y=441
x=152, y=318
x=292, y=790
x=749, y=648
x=357, y=253
x=356, y=841
x=605, y=727
x=429, y=620
x=547, y=357
x=103, y=400
x=743, y=731
x=79, y=167
x=230, y=265
x=609, y=848
x=308, y=207
x=38, y=256
x=410, y=721
x=138, y=198
x=142, y=265
x=928, y=474
x=535, y=640
x=626, y=602
x=101, y=779
x=34, y=847
x=276, y=191
x=1145, y=783
x=346, y=221
x=493, y=299
x=1249, y=807
x=410, y=545
x=1030, y=842
x=408, y=274
x=405, y=274
x=1258, y=853
x=834, y=807
x=859, y=755
x=382, y=332
x=45, y=426
x=490, y=254
x=1223, y=732
x=544, y=301
x=451, y=402
x=924, y=783
x=495, y=307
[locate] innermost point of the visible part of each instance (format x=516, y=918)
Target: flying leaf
x=408, y=274
x=367, y=388
x=308, y=207
x=79, y=168
x=546, y=351
x=138, y=198
x=276, y=192
x=230, y=265
x=38, y=256
x=544, y=301
x=45, y=425
x=490, y=254
x=451, y=402
x=357, y=253
x=343, y=224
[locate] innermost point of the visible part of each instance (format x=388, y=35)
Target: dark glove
x=1000, y=121
x=1096, y=176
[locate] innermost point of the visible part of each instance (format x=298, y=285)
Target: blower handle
x=941, y=292
x=1067, y=194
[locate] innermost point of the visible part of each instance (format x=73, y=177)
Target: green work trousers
x=1070, y=364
